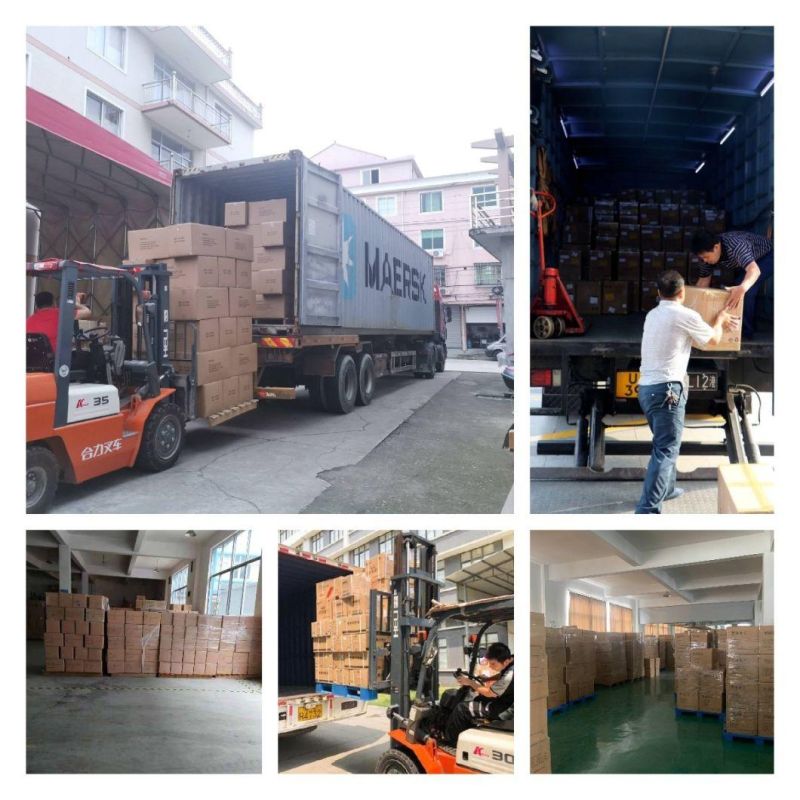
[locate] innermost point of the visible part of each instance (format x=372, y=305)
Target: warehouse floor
x=140, y=725
x=631, y=728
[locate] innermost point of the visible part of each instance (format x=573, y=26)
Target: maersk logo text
x=401, y=279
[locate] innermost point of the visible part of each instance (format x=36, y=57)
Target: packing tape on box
x=755, y=487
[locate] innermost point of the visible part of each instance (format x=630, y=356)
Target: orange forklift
x=108, y=397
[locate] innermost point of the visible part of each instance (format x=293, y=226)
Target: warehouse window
x=587, y=613
x=621, y=619
x=103, y=113
x=432, y=239
x=479, y=553
x=387, y=206
x=178, y=586
x=108, y=43
x=430, y=202
x=358, y=556
x=370, y=176
x=233, y=576
x=317, y=543
x=386, y=543
x=487, y=274
x=485, y=196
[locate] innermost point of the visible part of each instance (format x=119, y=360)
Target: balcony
x=247, y=107
x=492, y=223
x=176, y=109
x=192, y=50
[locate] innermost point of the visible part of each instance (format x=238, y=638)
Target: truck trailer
x=629, y=117
x=360, y=297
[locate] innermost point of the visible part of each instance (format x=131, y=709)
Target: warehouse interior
x=665, y=588
x=106, y=720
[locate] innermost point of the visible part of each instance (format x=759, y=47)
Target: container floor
x=631, y=728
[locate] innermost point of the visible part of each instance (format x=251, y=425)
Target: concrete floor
x=351, y=746
x=632, y=729
x=140, y=725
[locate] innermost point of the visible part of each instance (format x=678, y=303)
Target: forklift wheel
x=543, y=328
x=162, y=438
x=41, y=479
x=394, y=762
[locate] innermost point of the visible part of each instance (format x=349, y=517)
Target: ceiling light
x=728, y=135
x=536, y=55
x=768, y=86
x=701, y=165
x=563, y=127
x=575, y=161
x=190, y=534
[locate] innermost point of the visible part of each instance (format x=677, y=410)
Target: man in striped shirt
x=750, y=258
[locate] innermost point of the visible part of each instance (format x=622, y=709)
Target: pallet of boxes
x=212, y=303
x=635, y=656
x=540, y=741
x=579, y=674
x=266, y=222
x=340, y=633
x=699, y=673
x=750, y=683
x=75, y=630
x=651, y=657
x=611, y=664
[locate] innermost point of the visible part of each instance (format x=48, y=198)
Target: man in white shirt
x=669, y=330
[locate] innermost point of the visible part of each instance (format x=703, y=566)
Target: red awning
x=59, y=120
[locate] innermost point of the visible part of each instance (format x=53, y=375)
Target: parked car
x=493, y=349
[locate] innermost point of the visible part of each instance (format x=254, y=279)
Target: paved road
x=283, y=456
x=472, y=365
x=350, y=746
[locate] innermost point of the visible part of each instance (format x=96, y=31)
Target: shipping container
x=680, y=122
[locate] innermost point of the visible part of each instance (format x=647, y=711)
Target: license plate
x=306, y=713
x=627, y=385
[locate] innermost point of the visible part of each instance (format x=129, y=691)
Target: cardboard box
x=235, y=215
x=672, y=238
x=243, y=359
x=230, y=392
x=704, y=658
x=270, y=281
x=677, y=261
x=200, y=303
x=148, y=244
x=766, y=639
x=708, y=303
x=617, y=297
x=193, y=239
x=600, y=265
x=629, y=265
x=652, y=264
x=238, y=244
x=227, y=328
x=244, y=274
x=648, y=296
x=193, y=272
x=227, y=272
x=246, y=387
x=244, y=329
x=649, y=214
x=214, y=365
x=269, y=234
x=589, y=297
x=267, y=211
x=202, y=335
x=745, y=489
x=270, y=307
x=241, y=302
x=270, y=258
x=116, y=616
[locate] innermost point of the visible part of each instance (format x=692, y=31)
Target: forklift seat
x=39, y=356
x=498, y=724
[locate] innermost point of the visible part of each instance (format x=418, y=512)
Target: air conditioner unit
x=497, y=291
x=437, y=253
x=443, y=291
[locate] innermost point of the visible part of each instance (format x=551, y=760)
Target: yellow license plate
x=627, y=385
x=305, y=713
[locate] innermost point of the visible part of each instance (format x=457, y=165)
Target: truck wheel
x=366, y=380
x=41, y=479
x=162, y=438
x=543, y=328
x=440, y=359
x=394, y=762
x=316, y=389
x=342, y=389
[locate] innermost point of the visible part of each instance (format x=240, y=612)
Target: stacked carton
x=700, y=672
x=211, y=306
x=635, y=650
x=133, y=641
x=340, y=633
x=74, y=636
x=580, y=670
x=143, y=604
x=666, y=652
x=540, y=742
x=610, y=659
x=266, y=222
x=556, y=651
x=750, y=679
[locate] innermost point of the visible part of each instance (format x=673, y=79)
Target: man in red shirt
x=45, y=318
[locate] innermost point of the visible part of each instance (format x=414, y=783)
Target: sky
x=416, y=84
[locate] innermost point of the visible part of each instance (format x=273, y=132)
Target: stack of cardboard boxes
x=750, y=690
x=581, y=662
x=540, y=741
x=211, y=306
x=613, y=249
x=556, y=651
x=611, y=663
x=74, y=636
x=133, y=641
x=634, y=656
x=266, y=222
x=666, y=652
x=700, y=673
x=652, y=660
x=340, y=633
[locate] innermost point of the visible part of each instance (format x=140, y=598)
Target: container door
x=320, y=243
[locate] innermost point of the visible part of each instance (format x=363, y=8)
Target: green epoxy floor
x=631, y=728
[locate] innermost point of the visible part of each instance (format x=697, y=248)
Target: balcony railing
x=174, y=90
x=494, y=211
x=212, y=45
x=238, y=96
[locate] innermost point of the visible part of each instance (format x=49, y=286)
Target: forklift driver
x=44, y=319
x=493, y=698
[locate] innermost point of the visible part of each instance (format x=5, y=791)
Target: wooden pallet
x=230, y=413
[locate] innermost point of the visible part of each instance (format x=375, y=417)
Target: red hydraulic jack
x=552, y=312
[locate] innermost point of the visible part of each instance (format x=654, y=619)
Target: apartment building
x=436, y=213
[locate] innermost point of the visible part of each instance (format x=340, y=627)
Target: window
x=108, y=42
x=358, y=556
x=103, y=113
x=370, y=176
x=386, y=543
x=169, y=152
x=335, y=536
x=430, y=202
x=317, y=543
x=286, y=535
x=621, y=619
x=479, y=553
x=387, y=206
x=442, y=644
x=178, y=586
x=485, y=196
x=487, y=274
x=233, y=573
x=224, y=118
x=440, y=276
x=432, y=239
x=586, y=613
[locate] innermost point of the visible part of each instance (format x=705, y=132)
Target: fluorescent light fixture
x=563, y=127
x=575, y=161
x=768, y=86
x=702, y=164
x=727, y=135
x=536, y=55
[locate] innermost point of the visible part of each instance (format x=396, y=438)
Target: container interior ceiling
x=297, y=580
x=619, y=108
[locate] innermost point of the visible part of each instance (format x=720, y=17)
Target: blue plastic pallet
x=551, y=712
x=760, y=740
x=355, y=692
x=680, y=712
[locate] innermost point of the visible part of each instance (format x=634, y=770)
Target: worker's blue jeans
x=666, y=423
x=766, y=266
